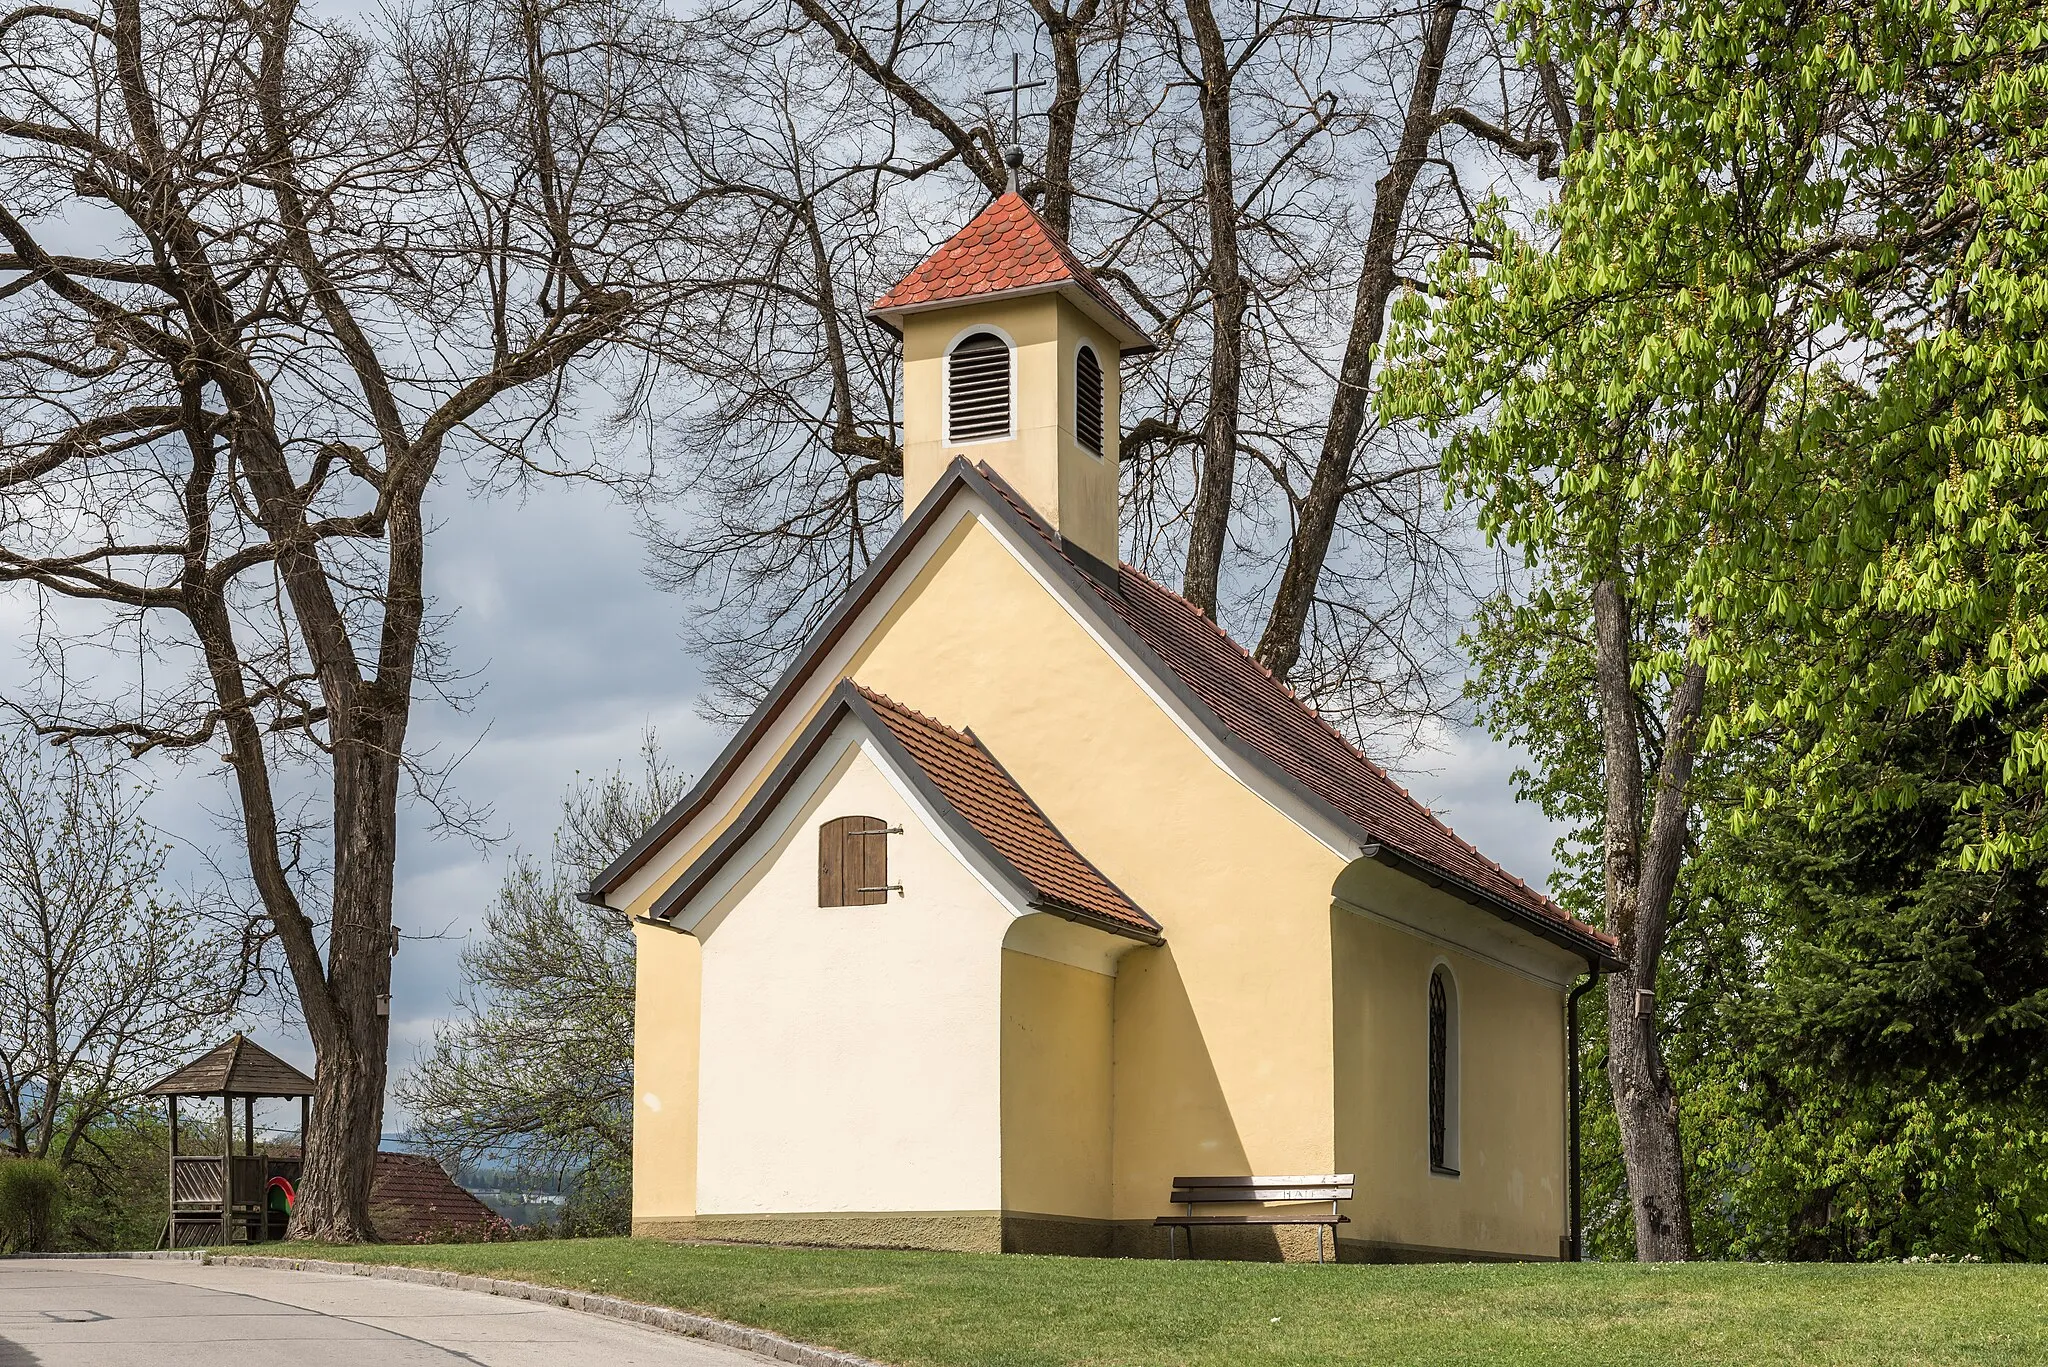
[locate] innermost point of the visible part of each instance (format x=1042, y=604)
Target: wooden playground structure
x=228, y=1197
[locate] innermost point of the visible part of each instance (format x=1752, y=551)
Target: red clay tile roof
x=413, y=1201
x=991, y=802
x=1266, y=714
x=1007, y=246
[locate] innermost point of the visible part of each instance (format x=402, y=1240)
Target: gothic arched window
x=1443, y=1074
x=978, y=388
x=1088, y=399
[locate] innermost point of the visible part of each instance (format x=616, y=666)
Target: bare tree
x=105, y=981
x=1257, y=182
x=266, y=281
x=791, y=485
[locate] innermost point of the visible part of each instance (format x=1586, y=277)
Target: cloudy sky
x=579, y=654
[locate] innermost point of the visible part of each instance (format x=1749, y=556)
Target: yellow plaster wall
x=667, y=970
x=1074, y=489
x=1224, y=1039
x=1090, y=495
x=1056, y=1088
x=1509, y=1195
x=1174, y=1107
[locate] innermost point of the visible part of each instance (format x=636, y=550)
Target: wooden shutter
x=978, y=389
x=853, y=862
x=1088, y=400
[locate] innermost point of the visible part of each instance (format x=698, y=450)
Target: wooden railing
x=196, y=1197
x=195, y=1180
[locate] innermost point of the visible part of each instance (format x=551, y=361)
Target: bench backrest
x=1192, y=1191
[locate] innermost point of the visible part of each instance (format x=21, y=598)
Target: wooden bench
x=1204, y=1191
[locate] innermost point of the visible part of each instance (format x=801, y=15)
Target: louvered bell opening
x=978, y=389
x=1088, y=400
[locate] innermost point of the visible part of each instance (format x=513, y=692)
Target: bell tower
x=1011, y=356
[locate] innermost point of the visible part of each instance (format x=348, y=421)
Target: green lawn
x=977, y=1310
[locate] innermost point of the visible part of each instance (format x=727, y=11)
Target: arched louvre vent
x=978, y=389
x=1088, y=400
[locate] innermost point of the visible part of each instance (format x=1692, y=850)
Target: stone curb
x=181, y=1255
x=680, y=1322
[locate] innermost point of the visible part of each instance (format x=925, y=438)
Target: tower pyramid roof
x=1007, y=249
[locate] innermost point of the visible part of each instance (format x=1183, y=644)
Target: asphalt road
x=66, y=1312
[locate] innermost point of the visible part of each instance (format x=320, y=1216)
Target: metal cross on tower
x=1014, y=156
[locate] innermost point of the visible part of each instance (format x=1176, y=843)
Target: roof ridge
x=998, y=779
x=1024, y=793
x=1005, y=247
x=1345, y=740
x=1266, y=670
x=1377, y=769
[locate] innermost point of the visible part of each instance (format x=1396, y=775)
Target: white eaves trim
x=822, y=679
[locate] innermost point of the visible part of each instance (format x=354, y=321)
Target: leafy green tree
x=1858, y=1065
x=117, y=1193
x=1761, y=390
x=31, y=1204
x=1897, y=962
x=106, y=981
x=538, y=1061
x=1850, y=1021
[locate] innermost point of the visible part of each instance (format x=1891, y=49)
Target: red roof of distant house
x=1006, y=247
x=413, y=1201
x=991, y=802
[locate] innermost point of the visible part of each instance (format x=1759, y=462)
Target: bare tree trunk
x=348, y=1100
x=1280, y=645
x=1640, y=882
x=1065, y=29
x=1217, y=481
x=342, y=1138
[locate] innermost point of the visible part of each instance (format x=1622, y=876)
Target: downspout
x=1571, y=1017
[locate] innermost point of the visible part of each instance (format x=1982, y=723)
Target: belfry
x=1011, y=358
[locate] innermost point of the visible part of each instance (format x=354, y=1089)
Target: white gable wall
x=851, y=1055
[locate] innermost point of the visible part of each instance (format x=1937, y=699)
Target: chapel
x=1027, y=891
